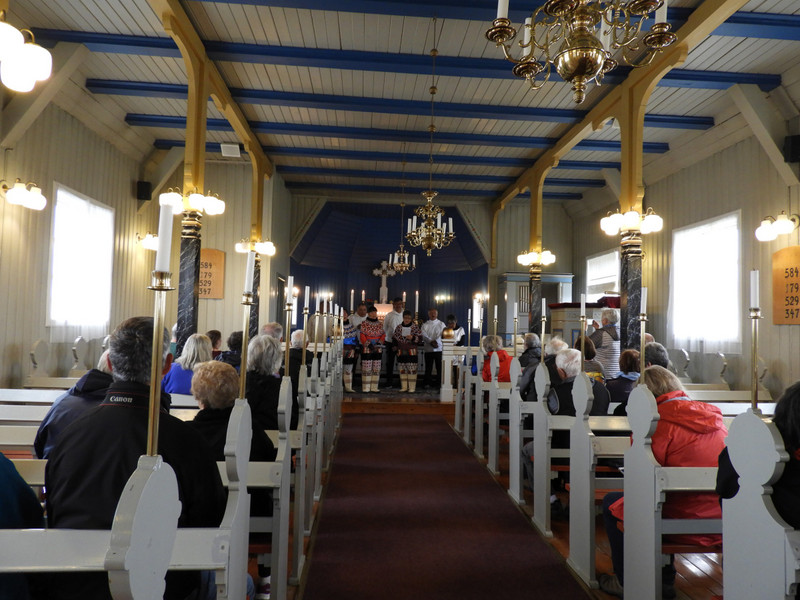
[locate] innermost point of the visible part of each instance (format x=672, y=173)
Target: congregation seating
x=25, y=408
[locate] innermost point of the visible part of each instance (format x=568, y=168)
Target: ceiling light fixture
x=211, y=203
x=632, y=221
x=579, y=38
x=22, y=62
x=432, y=233
x=266, y=248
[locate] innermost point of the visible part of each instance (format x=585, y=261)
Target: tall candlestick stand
x=247, y=302
x=161, y=284
x=544, y=327
x=469, y=332
x=642, y=327
x=515, y=335
x=755, y=315
x=583, y=340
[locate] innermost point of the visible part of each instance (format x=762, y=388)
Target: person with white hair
x=606, y=342
x=273, y=329
x=264, y=359
x=297, y=340
x=553, y=346
x=87, y=393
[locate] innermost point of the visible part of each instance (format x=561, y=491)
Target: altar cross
x=383, y=272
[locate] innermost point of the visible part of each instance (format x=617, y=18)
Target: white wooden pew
x=646, y=485
x=144, y=541
x=460, y=354
x=499, y=390
x=17, y=438
x=762, y=552
x=479, y=405
x=468, y=383
x=517, y=411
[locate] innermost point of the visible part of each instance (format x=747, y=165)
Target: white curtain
x=705, y=299
x=82, y=251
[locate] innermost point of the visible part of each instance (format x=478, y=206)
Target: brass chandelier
x=579, y=38
x=432, y=233
x=401, y=262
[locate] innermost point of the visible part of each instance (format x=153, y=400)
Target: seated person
x=655, y=354
x=19, y=509
x=93, y=458
x=179, y=378
x=490, y=345
x=785, y=491
x=87, y=393
x=606, y=340
x=215, y=335
x=263, y=380
x=559, y=401
x=295, y=363
x=215, y=386
x=590, y=366
x=532, y=352
x=622, y=385
x=689, y=434
x=233, y=355
x=553, y=346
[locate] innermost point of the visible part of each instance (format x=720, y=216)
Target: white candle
x=526, y=34
x=502, y=9
x=450, y=224
x=390, y=258
x=481, y=314
x=363, y=295
x=516, y=314
x=416, y=301
x=308, y=295
x=290, y=284
x=661, y=16
x=643, y=308
x=414, y=259
x=469, y=314
x=495, y=311
x=164, y=238
x=352, y=297
x=414, y=222
x=404, y=297
x=249, y=271
x=544, y=307
x=439, y=221
x=583, y=305
x=754, y=301
x=409, y=225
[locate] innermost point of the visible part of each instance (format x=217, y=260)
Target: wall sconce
x=24, y=194
x=148, y=242
x=22, y=63
x=265, y=248
x=441, y=298
x=211, y=203
x=649, y=222
x=771, y=228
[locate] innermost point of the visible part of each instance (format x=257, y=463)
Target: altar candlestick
x=644, y=301
x=583, y=305
x=249, y=271
x=516, y=314
x=308, y=295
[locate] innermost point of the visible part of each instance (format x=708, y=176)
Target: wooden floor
x=699, y=575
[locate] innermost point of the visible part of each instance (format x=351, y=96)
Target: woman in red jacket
x=491, y=344
x=689, y=434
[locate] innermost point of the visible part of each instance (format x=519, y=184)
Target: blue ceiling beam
x=740, y=24
x=443, y=192
x=392, y=135
x=421, y=176
x=487, y=68
x=398, y=157
x=383, y=105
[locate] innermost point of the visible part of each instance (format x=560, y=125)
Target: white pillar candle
x=249, y=271
x=544, y=307
x=450, y=224
x=164, y=238
x=495, y=311
x=290, y=284
x=754, y=290
x=526, y=34
x=404, y=297
x=583, y=305
x=390, y=258
x=363, y=295
x=409, y=225
x=643, y=307
x=414, y=259
x=308, y=295
x=416, y=301
x=414, y=222
x=352, y=298
x=661, y=13
x=439, y=221
x=502, y=9
x=469, y=314
x=516, y=314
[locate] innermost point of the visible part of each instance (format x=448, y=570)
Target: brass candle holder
x=247, y=302
x=755, y=315
x=161, y=283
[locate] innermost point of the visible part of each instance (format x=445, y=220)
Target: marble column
x=535, y=297
x=630, y=288
x=256, y=295
x=188, y=283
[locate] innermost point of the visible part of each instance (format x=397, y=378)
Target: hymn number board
x=212, y=274
x=786, y=286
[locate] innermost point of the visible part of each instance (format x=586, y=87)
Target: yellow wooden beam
x=626, y=101
x=204, y=71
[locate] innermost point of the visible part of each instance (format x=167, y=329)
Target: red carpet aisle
x=410, y=514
